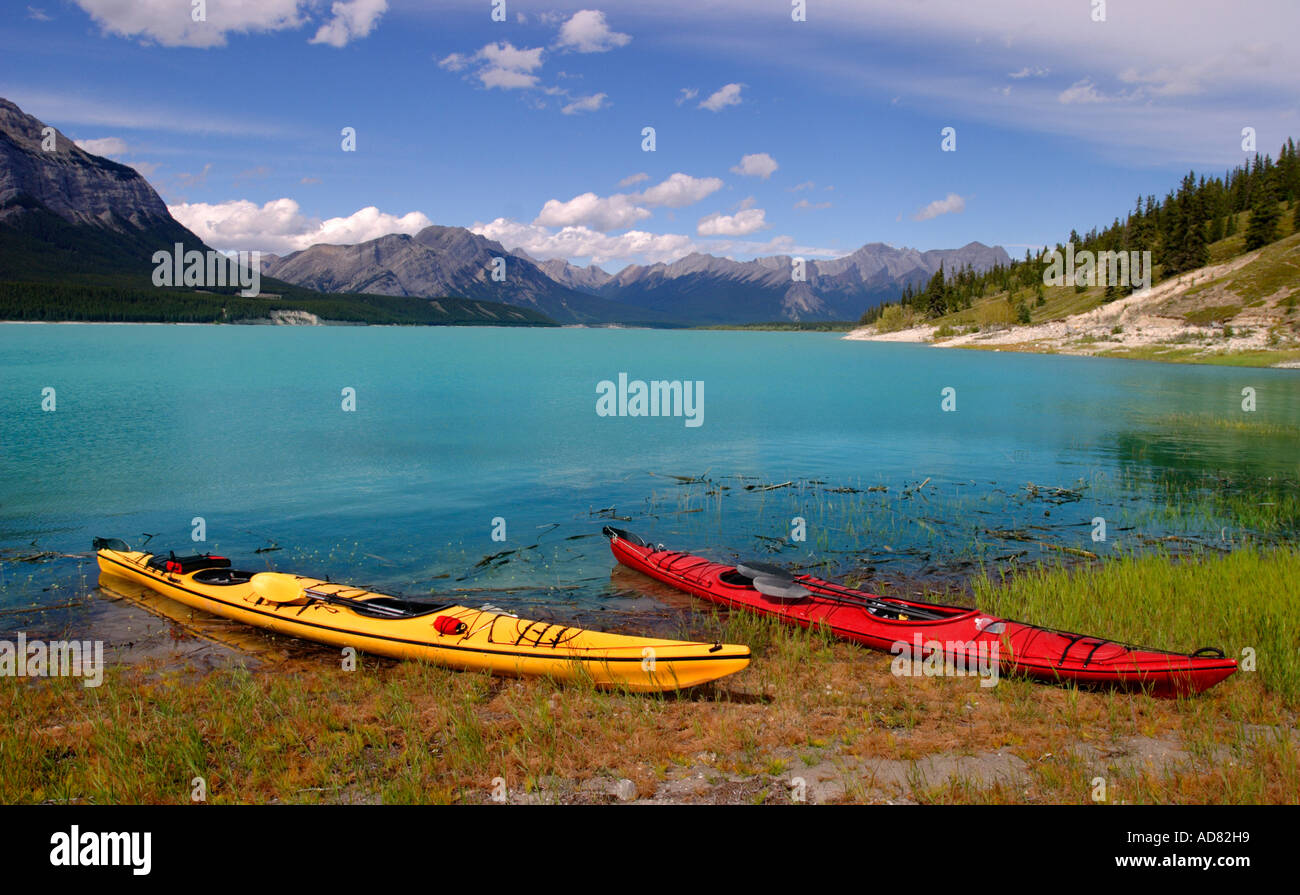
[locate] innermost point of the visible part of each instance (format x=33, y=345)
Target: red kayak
x=947, y=636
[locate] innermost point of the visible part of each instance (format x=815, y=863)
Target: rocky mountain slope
x=65, y=211
x=445, y=261
x=708, y=289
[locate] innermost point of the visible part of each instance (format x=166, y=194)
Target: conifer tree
x=1264, y=217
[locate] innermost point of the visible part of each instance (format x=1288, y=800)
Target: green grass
x=1212, y=314
x=1246, y=599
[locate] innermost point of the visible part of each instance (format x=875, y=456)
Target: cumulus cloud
x=280, y=226
x=1035, y=71
x=623, y=210
x=588, y=32
x=169, y=23
x=742, y=223
x=506, y=79
x=758, y=164
x=110, y=146
x=805, y=205
x=687, y=94
x=615, y=212
x=583, y=242
x=506, y=55
x=680, y=190
x=351, y=19
x=586, y=104
x=505, y=66
x=728, y=95
x=633, y=179
x=950, y=204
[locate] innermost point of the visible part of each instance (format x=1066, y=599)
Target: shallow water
x=243, y=427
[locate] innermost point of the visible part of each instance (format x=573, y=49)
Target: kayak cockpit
x=222, y=577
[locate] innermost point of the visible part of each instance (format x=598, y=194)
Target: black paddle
x=781, y=584
x=278, y=587
x=781, y=589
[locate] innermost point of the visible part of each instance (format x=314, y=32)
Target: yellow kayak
x=450, y=635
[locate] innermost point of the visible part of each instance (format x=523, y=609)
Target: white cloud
x=586, y=104
x=687, y=94
x=806, y=185
x=805, y=205
x=38, y=14
x=279, y=225
x=146, y=169
x=680, y=190
x=1083, y=91
x=742, y=223
x=623, y=210
x=583, y=242
x=506, y=55
x=1036, y=71
x=501, y=65
x=758, y=164
x=352, y=19
x=950, y=204
x=728, y=95
x=587, y=32
x=454, y=62
x=1165, y=81
x=506, y=79
x=616, y=212
x=633, y=179
x=110, y=146
x=169, y=23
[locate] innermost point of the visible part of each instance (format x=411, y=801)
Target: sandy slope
x=1141, y=320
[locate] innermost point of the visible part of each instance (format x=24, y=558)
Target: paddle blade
x=754, y=569
x=780, y=589
x=277, y=587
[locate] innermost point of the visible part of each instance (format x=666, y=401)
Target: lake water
x=244, y=427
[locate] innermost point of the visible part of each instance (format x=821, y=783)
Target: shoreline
x=812, y=719
x=1197, y=317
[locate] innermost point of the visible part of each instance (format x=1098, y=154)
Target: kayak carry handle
x=1212, y=652
x=613, y=534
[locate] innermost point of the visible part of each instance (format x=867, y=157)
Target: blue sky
x=530, y=130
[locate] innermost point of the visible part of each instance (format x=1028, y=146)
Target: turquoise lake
x=244, y=427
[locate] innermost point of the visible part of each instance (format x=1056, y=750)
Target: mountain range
x=696, y=289
x=66, y=213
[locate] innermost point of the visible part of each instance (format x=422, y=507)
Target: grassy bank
x=811, y=718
